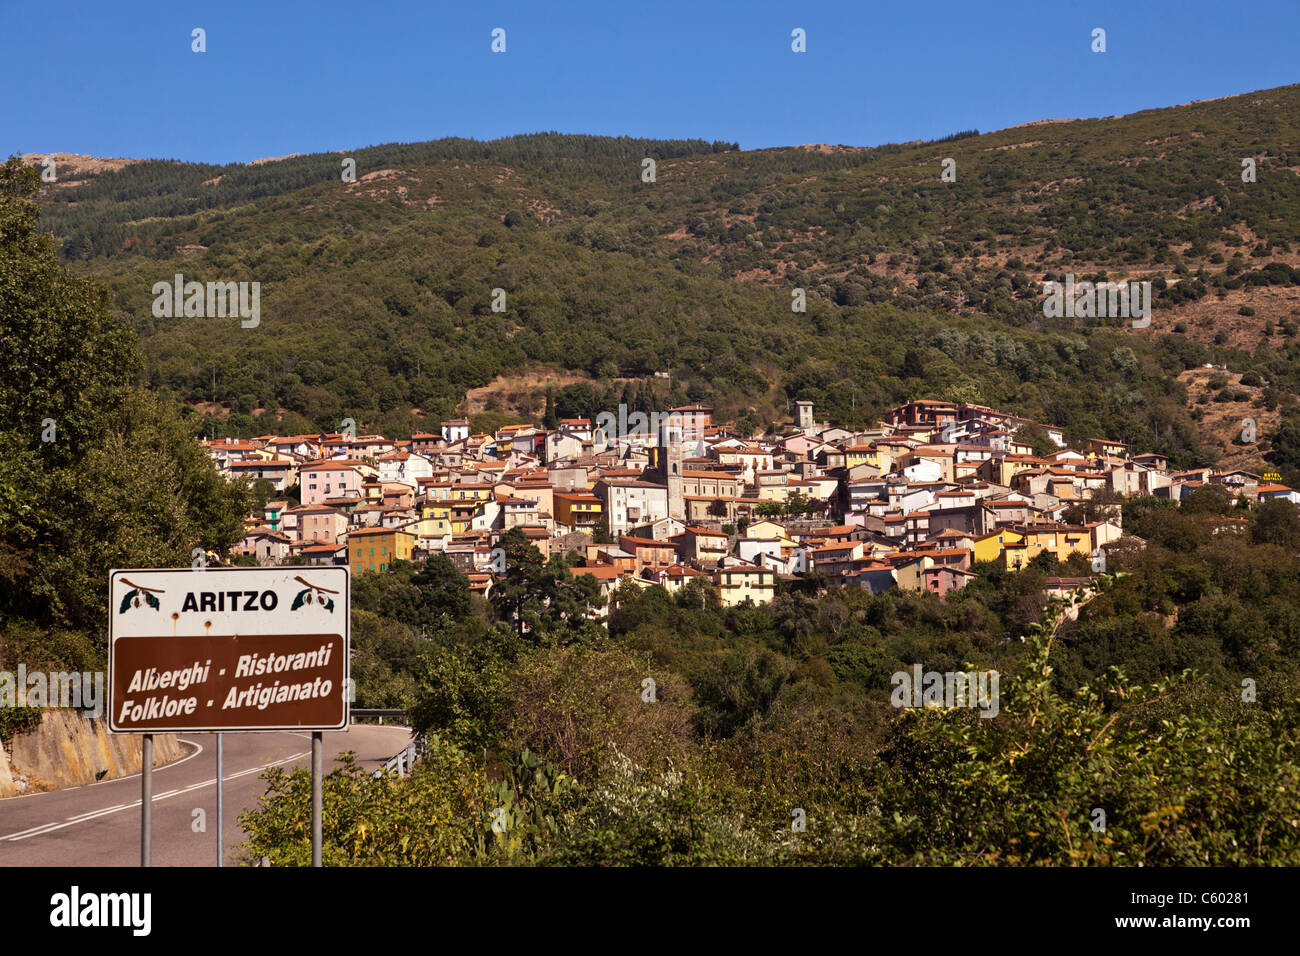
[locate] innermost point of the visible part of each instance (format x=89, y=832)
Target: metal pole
x=315, y=798
x=146, y=801
x=220, y=803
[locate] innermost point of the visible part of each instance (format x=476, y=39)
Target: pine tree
x=550, y=420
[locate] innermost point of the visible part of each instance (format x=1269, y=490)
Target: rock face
x=6, y=778
x=69, y=749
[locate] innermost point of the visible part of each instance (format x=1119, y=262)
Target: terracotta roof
x=369, y=531
x=681, y=571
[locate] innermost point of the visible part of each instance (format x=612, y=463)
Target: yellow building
x=577, y=511
x=463, y=514
x=1002, y=468
x=1060, y=540
x=988, y=547
x=375, y=549
x=911, y=576
x=471, y=491
x=742, y=581
x=431, y=527
x=861, y=455
x=766, y=529
x=1023, y=545
x=435, y=518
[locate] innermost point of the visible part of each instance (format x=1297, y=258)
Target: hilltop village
x=668, y=498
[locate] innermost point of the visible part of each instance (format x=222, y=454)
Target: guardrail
x=401, y=762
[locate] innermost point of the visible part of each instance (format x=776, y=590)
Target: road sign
x=216, y=649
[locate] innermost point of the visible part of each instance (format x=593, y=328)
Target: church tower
x=671, y=454
x=804, y=419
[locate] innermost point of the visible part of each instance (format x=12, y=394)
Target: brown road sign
x=228, y=649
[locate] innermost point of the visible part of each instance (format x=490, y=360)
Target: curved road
x=99, y=824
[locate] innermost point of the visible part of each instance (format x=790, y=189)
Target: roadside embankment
x=69, y=749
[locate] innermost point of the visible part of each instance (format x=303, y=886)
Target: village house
x=918, y=501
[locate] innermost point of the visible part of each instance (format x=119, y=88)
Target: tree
x=1104, y=505
x=543, y=599
x=1276, y=522
x=550, y=420
x=797, y=504
x=1286, y=443
x=572, y=703
x=1208, y=500
x=913, y=365
x=1036, y=437
x=96, y=473
x=1024, y=788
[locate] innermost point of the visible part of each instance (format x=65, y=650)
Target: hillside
x=377, y=294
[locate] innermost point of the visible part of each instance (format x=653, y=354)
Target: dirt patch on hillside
x=79, y=162
x=1041, y=122
x=1219, y=321
x=72, y=169
x=1223, y=422
x=827, y=148
x=270, y=159
x=521, y=393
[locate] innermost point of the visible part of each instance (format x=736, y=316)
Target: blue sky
x=282, y=76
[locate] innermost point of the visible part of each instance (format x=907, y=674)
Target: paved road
x=99, y=824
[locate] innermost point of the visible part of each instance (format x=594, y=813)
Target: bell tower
x=671, y=454
x=804, y=419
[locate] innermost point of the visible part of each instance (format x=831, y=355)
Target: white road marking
x=93, y=814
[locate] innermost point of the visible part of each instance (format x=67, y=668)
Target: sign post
x=316, y=801
x=146, y=800
x=206, y=649
x=221, y=850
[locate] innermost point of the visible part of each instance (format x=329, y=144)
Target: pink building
x=328, y=479
x=940, y=580
x=319, y=523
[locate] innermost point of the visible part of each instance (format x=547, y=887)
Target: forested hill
x=377, y=294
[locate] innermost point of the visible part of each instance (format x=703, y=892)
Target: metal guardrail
x=402, y=761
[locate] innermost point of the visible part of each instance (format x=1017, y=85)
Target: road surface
x=99, y=824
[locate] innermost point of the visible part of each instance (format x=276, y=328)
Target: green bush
x=18, y=720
